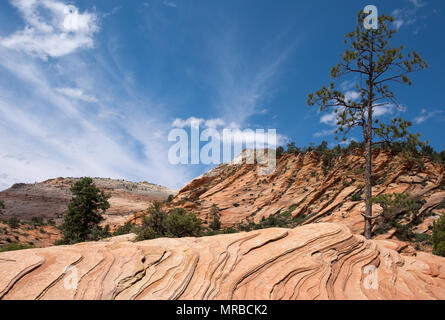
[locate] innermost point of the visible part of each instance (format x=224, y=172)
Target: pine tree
x=84, y=212
x=371, y=59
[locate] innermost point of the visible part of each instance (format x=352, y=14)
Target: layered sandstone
x=316, y=261
x=304, y=185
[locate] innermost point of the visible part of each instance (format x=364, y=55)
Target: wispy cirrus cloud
x=78, y=116
x=76, y=93
x=425, y=115
x=408, y=16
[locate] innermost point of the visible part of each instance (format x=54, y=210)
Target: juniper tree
x=370, y=59
x=85, y=211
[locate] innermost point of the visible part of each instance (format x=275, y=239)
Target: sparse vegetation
x=15, y=247
x=2, y=206
x=13, y=222
x=37, y=221
x=399, y=212
x=127, y=228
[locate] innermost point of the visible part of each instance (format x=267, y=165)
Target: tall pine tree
x=372, y=61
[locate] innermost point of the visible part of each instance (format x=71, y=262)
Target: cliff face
x=317, y=261
x=304, y=185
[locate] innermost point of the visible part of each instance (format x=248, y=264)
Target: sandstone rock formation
x=303, y=185
x=316, y=261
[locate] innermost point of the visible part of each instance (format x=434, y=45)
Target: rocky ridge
x=304, y=185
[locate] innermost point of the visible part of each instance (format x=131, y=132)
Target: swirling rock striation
x=316, y=261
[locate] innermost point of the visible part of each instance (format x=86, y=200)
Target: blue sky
x=101, y=98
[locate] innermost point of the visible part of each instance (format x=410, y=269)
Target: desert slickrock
x=316, y=261
x=302, y=184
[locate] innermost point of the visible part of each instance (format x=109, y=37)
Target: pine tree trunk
x=368, y=191
x=367, y=233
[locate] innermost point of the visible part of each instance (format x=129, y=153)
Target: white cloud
x=329, y=118
x=407, y=16
x=352, y=95
x=170, y=4
x=348, y=85
x=426, y=115
x=388, y=108
x=210, y=123
x=53, y=29
x=417, y=3
x=77, y=94
x=324, y=133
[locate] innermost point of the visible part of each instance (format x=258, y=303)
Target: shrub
x=37, y=221
x=180, y=224
x=2, y=206
x=97, y=233
x=438, y=237
x=13, y=222
x=15, y=247
x=422, y=237
x=170, y=198
x=125, y=229
x=356, y=197
x=215, y=215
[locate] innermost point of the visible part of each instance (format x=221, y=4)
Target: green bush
x=37, y=221
x=170, y=198
x=356, y=197
x=422, y=237
x=125, y=229
x=438, y=237
x=156, y=223
x=97, y=233
x=15, y=247
x=13, y=223
x=215, y=215
x=180, y=224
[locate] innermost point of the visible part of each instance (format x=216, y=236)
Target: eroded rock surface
x=316, y=261
x=303, y=185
